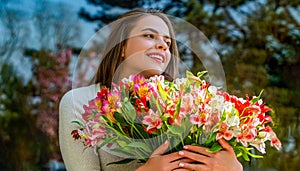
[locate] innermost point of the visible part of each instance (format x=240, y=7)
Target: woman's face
x=147, y=50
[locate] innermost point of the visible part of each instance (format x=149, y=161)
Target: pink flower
x=202, y=116
x=89, y=111
x=247, y=134
x=99, y=132
x=224, y=132
x=275, y=142
x=152, y=120
x=92, y=133
x=187, y=104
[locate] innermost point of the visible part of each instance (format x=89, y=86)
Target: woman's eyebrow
x=155, y=31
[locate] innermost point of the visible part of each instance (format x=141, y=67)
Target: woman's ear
x=123, y=51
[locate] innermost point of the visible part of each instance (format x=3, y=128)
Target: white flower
x=217, y=104
x=229, y=107
x=259, y=145
x=233, y=121
x=212, y=90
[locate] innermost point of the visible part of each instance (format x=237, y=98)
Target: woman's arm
x=75, y=156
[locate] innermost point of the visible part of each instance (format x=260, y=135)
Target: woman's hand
x=160, y=162
x=207, y=161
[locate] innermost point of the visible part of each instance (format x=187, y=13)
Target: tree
x=259, y=45
x=51, y=79
x=109, y=10
x=55, y=27
x=29, y=108
x=15, y=29
x=18, y=133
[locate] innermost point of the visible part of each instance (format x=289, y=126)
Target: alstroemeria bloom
x=276, y=143
x=152, y=120
x=259, y=145
x=187, y=104
x=202, y=116
x=89, y=111
x=224, y=132
x=247, y=134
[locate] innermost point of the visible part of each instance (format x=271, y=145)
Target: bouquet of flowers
x=139, y=114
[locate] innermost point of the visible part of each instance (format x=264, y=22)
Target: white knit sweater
x=75, y=156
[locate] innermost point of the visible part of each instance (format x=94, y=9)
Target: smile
x=157, y=57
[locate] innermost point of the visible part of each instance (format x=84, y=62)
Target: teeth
x=156, y=57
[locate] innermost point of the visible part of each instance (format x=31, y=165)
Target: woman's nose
x=161, y=44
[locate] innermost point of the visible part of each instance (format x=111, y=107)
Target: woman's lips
x=157, y=57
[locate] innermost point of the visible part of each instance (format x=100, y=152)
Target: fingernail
x=166, y=142
x=181, y=164
x=185, y=147
x=181, y=153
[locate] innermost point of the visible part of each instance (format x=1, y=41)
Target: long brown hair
x=112, y=55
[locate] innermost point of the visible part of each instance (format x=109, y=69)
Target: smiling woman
x=147, y=48
x=141, y=42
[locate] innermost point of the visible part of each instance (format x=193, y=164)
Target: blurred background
x=258, y=42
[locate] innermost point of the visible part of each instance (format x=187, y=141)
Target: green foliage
x=18, y=132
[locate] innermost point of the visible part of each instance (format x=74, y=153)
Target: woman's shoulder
x=80, y=95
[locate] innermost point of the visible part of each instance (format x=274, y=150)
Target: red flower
x=75, y=134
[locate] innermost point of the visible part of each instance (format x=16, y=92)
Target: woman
x=141, y=41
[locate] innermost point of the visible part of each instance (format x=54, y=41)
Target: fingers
x=168, y=157
x=176, y=164
x=181, y=169
x=195, y=156
x=161, y=149
x=225, y=145
x=190, y=166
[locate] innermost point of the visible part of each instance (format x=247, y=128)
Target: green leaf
x=140, y=145
x=124, y=92
x=129, y=111
x=105, y=119
x=257, y=98
x=211, y=138
x=140, y=128
x=78, y=123
x=255, y=155
x=200, y=74
x=176, y=130
x=239, y=154
x=178, y=107
x=107, y=140
x=162, y=93
x=188, y=140
x=121, y=143
x=215, y=147
x=245, y=155
x=120, y=118
x=189, y=73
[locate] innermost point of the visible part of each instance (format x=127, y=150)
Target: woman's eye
x=151, y=36
x=168, y=43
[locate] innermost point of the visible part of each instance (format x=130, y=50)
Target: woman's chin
x=151, y=72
